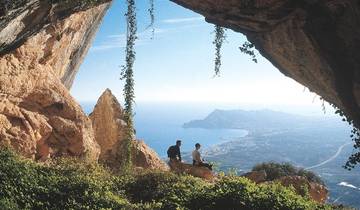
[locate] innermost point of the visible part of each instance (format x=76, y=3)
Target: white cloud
x=116, y=41
x=183, y=20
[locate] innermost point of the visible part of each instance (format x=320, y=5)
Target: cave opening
x=180, y=85
x=247, y=113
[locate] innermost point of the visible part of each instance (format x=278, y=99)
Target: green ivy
x=127, y=74
x=248, y=48
x=220, y=37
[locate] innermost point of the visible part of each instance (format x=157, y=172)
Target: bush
x=173, y=191
x=276, y=170
x=66, y=184
x=8, y=204
x=240, y=193
x=72, y=184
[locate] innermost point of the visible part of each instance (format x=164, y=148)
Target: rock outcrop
x=302, y=185
x=184, y=168
x=147, y=158
x=314, y=42
x=110, y=133
x=108, y=125
x=38, y=117
x=317, y=192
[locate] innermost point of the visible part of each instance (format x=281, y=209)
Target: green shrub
x=240, y=193
x=68, y=184
x=72, y=184
x=8, y=204
x=276, y=170
x=173, y=191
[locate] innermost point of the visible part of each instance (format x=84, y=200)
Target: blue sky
x=177, y=64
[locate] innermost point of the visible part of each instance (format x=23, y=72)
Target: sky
x=177, y=64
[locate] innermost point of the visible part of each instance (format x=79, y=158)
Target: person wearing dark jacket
x=174, y=151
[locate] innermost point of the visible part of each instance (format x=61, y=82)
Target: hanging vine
x=127, y=74
x=248, y=48
x=220, y=37
x=151, y=11
x=354, y=158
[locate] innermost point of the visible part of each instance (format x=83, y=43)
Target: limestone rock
x=317, y=192
x=109, y=127
x=147, y=158
x=46, y=123
x=110, y=133
x=314, y=42
x=22, y=19
x=201, y=172
x=38, y=117
x=59, y=47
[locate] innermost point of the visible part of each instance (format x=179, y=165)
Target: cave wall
x=315, y=42
x=49, y=25
x=42, y=45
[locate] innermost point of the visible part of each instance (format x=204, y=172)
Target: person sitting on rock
x=197, y=161
x=174, y=152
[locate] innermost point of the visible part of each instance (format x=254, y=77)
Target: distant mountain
x=267, y=120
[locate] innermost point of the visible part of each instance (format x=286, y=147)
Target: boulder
x=147, y=158
x=197, y=171
x=110, y=133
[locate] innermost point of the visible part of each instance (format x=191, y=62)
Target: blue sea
x=160, y=126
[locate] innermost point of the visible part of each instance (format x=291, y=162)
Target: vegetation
x=354, y=158
x=127, y=74
x=72, y=184
x=218, y=42
x=152, y=17
x=276, y=170
x=248, y=48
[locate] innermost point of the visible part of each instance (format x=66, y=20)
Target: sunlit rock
x=201, y=172
x=38, y=62
x=110, y=133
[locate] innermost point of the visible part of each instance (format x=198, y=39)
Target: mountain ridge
x=253, y=120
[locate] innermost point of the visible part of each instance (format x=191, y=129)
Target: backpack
x=171, y=152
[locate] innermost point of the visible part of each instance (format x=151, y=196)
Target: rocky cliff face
x=314, y=42
x=50, y=34
x=110, y=132
x=38, y=117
